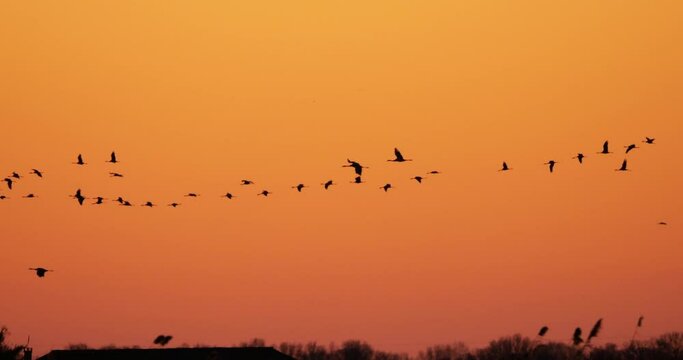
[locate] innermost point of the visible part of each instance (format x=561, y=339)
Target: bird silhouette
x=9, y=183
x=112, y=158
x=228, y=195
x=36, y=172
x=576, y=338
x=15, y=175
x=174, y=204
x=162, y=340
x=40, y=272
x=79, y=160
x=357, y=167
x=399, y=156
x=299, y=187
x=579, y=157
x=3, y=197
x=115, y=174
x=649, y=140
x=434, y=172
x=630, y=147
x=247, y=182
x=126, y=203
x=662, y=223
x=30, y=196
x=191, y=195
x=551, y=165
x=78, y=196
x=605, y=148
x=417, y=178
x=99, y=200
x=505, y=167
x=543, y=331
x=386, y=187
x=327, y=184
x=148, y=204
x=265, y=193
x=623, y=167
x=119, y=200
x=357, y=180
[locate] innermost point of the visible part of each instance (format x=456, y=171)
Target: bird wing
x=398, y=154
x=113, y=156
x=605, y=147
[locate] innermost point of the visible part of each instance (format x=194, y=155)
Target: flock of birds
x=356, y=166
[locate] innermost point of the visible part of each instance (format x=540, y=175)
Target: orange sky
x=195, y=97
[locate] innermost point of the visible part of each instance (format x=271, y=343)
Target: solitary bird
x=9, y=183
x=36, y=172
x=386, y=187
x=357, y=180
x=148, y=204
x=417, y=178
x=40, y=272
x=112, y=158
x=630, y=147
x=174, y=204
x=399, y=157
x=79, y=160
x=579, y=157
x=299, y=187
x=649, y=140
x=434, y=172
x=264, y=193
x=99, y=200
x=357, y=167
x=119, y=200
x=551, y=165
x=505, y=167
x=191, y=195
x=15, y=175
x=115, y=174
x=543, y=331
x=30, y=196
x=126, y=203
x=228, y=195
x=605, y=148
x=162, y=340
x=662, y=223
x=327, y=184
x=247, y=182
x=78, y=196
x=623, y=167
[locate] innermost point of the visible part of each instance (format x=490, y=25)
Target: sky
x=195, y=96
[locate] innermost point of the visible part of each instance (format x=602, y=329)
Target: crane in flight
x=79, y=160
x=399, y=157
x=649, y=140
x=9, y=183
x=605, y=148
x=191, y=195
x=299, y=187
x=417, y=178
x=265, y=193
x=36, y=172
x=112, y=158
x=551, y=165
x=98, y=200
x=78, y=196
x=40, y=272
x=623, y=167
x=115, y=174
x=357, y=167
x=630, y=147
x=386, y=187
x=327, y=184
x=505, y=167
x=579, y=157
x=174, y=204
x=247, y=182
x=15, y=175
x=228, y=195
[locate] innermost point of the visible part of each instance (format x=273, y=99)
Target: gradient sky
x=195, y=96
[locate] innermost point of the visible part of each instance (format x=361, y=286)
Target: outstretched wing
x=605, y=147
x=398, y=154
x=113, y=157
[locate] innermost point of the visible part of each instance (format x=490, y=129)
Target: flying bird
x=79, y=160
x=15, y=175
x=36, y=172
x=551, y=165
x=162, y=340
x=299, y=187
x=630, y=147
x=40, y=272
x=126, y=203
x=386, y=187
x=148, y=204
x=3, y=197
x=119, y=200
x=9, y=183
x=191, y=195
x=247, y=182
x=327, y=184
x=264, y=193
x=543, y=331
x=112, y=158
x=505, y=167
x=434, y=172
x=357, y=167
x=649, y=140
x=78, y=196
x=399, y=156
x=662, y=223
x=605, y=148
x=576, y=338
x=30, y=196
x=623, y=167
x=228, y=195
x=417, y=178
x=99, y=201
x=174, y=204
x=579, y=157
x=115, y=174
